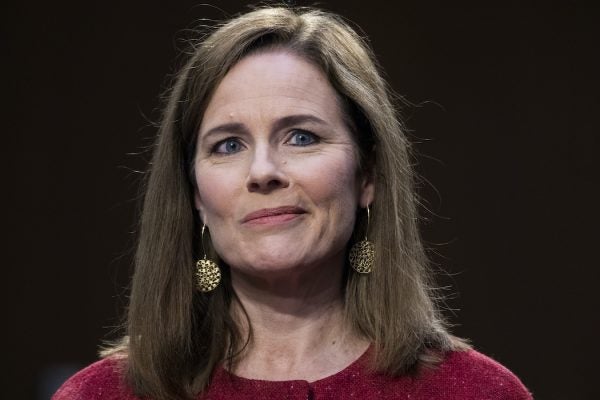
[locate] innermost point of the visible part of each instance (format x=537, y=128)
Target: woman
x=281, y=167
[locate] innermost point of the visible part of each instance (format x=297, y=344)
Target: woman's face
x=276, y=168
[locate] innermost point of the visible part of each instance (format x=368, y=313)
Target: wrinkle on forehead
x=284, y=85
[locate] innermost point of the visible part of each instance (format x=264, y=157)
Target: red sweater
x=467, y=375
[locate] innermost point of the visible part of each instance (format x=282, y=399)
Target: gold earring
x=362, y=254
x=208, y=274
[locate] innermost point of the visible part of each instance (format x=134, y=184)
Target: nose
x=266, y=173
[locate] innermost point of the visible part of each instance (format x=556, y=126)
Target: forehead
x=275, y=81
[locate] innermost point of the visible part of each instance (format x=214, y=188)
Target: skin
x=273, y=135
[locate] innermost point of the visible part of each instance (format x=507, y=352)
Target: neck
x=298, y=329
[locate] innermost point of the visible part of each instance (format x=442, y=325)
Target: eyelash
x=314, y=139
x=215, y=148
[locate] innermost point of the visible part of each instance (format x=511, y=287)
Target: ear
x=367, y=190
x=198, y=204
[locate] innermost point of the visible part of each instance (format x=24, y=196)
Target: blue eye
x=302, y=138
x=228, y=146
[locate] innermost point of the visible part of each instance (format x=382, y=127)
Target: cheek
x=216, y=190
x=334, y=190
x=333, y=178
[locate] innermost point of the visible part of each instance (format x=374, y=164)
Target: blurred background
x=504, y=119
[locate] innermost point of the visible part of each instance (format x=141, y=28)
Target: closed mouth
x=265, y=213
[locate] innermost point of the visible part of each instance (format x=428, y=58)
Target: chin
x=270, y=266
x=273, y=266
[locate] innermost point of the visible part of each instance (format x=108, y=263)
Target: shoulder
x=103, y=380
x=471, y=375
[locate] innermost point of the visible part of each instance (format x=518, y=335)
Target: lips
x=270, y=214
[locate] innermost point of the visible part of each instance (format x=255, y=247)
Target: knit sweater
x=465, y=375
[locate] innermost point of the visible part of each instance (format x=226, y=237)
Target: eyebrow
x=281, y=123
x=232, y=127
x=296, y=120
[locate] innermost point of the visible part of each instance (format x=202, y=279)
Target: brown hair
x=177, y=335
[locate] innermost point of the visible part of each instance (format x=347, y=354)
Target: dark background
x=505, y=123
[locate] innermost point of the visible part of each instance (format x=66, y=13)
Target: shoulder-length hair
x=177, y=335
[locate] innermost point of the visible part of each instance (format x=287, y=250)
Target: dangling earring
x=362, y=254
x=208, y=274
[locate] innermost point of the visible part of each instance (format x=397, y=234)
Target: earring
x=362, y=254
x=208, y=274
